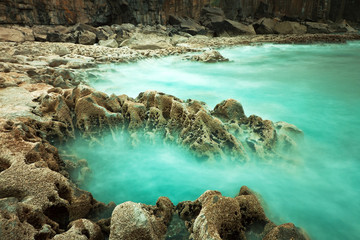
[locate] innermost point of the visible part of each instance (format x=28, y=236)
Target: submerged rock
x=210, y=56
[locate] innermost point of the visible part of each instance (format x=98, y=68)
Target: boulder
x=147, y=42
x=265, y=26
x=111, y=43
x=286, y=231
x=211, y=16
x=342, y=27
x=231, y=28
x=11, y=35
x=81, y=229
x=131, y=220
x=187, y=25
x=87, y=38
x=288, y=27
x=316, y=27
x=210, y=56
x=229, y=110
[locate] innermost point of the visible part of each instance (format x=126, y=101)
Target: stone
x=147, y=42
x=211, y=16
x=81, y=229
x=315, y=27
x=232, y=28
x=288, y=27
x=131, y=220
x=210, y=56
x=342, y=27
x=111, y=43
x=187, y=25
x=60, y=50
x=11, y=35
x=229, y=110
x=265, y=26
x=87, y=38
x=56, y=61
x=286, y=231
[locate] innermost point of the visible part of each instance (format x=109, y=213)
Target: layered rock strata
x=101, y=12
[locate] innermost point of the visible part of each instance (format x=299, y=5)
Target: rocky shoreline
x=44, y=100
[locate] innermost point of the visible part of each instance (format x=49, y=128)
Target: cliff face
x=294, y=9
x=99, y=12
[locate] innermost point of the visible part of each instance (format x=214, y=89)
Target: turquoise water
x=315, y=87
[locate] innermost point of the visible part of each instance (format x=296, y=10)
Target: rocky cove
x=46, y=101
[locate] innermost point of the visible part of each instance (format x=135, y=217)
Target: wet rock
x=229, y=110
x=137, y=221
x=288, y=27
x=111, y=43
x=210, y=56
x=286, y=231
x=265, y=26
x=81, y=229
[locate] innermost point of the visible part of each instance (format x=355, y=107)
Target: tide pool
x=315, y=87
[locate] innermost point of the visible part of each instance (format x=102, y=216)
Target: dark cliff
x=100, y=12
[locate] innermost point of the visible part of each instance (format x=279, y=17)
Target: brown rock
x=229, y=110
x=289, y=28
x=136, y=221
x=11, y=35
x=286, y=231
x=81, y=229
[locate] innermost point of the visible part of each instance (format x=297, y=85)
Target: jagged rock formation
x=208, y=134
x=101, y=12
x=211, y=216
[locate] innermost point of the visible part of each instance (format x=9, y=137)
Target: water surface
x=316, y=87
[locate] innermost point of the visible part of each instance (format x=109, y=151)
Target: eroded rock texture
x=37, y=200
x=213, y=216
x=225, y=131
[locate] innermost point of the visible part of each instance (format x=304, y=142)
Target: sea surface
x=315, y=87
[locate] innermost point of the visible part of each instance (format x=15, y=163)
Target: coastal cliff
x=101, y=12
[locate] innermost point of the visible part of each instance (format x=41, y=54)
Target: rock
x=26, y=31
x=286, y=231
x=147, y=42
x=60, y=50
x=265, y=26
x=210, y=56
x=289, y=28
x=342, y=27
x=111, y=43
x=229, y=110
x=232, y=28
x=315, y=27
x=81, y=229
x=187, y=25
x=11, y=35
x=137, y=221
x=103, y=33
x=87, y=38
x=211, y=16
x=56, y=61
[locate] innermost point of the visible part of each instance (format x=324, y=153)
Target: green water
x=316, y=87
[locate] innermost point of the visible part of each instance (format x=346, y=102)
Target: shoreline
x=43, y=100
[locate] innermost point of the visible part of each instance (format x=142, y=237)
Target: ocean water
x=315, y=87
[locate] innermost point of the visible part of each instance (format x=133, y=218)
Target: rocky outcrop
x=38, y=201
x=131, y=220
x=213, y=216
